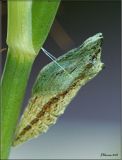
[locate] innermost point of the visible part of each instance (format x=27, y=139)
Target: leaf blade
x=46, y=11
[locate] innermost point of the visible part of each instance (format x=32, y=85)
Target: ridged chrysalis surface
x=56, y=87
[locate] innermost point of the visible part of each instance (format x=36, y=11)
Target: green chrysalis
x=56, y=87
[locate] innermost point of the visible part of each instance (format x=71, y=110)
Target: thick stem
x=13, y=84
x=25, y=29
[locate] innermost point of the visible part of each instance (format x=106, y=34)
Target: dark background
x=91, y=124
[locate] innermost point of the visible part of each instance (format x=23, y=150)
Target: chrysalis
x=54, y=88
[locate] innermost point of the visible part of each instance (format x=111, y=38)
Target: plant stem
x=25, y=36
x=14, y=80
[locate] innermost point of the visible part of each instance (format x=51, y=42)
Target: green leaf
x=43, y=13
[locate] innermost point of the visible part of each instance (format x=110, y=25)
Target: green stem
x=13, y=84
x=28, y=25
